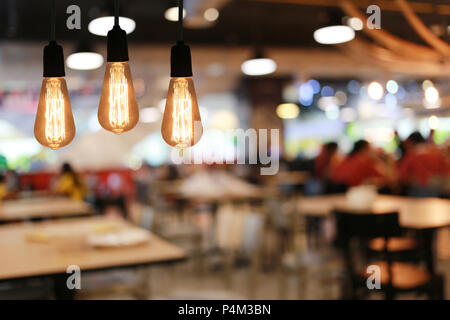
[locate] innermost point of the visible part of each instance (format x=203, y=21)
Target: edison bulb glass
x=118, y=111
x=54, y=126
x=181, y=125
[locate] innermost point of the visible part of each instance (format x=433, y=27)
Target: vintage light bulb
x=54, y=126
x=118, y=111
x=181, y=125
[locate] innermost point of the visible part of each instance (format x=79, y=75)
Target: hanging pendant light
x=334, y=31
x=181, y=125
x=101, y=25
x=259, y=65
x=118, y=110
x=84, y=57
x=54, y=126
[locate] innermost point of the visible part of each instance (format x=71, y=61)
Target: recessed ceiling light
x=102, y=25
x=258, y=66
x=355, y=23
x=211, y=14
x=334, y=34
x=84, y=61
x=171, y=14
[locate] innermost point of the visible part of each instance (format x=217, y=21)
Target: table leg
x=60, y=289
x=429, y=248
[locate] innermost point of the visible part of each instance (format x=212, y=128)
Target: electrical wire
x=180, y=20
x=53, y=20
x=116, y=12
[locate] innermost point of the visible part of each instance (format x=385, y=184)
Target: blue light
x=353, y=86
x=327, y=91
x=315, y=85
x=306, y=94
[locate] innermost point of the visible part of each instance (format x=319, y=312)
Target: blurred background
x=364, y=120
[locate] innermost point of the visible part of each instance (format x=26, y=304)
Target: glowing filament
x=119, y=117
x=182, y=114
x=55, y=129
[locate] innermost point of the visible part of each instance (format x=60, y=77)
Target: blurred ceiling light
x=332, y=112
x=433, y=122
x=392, y=86
x=149, y=115
x=353, y=86
x=315, y=85
x=306, y=94
x=355, y=23
x=211, y=14
x=341, y=98
x=432, y=99
x=325, y=103
x=426, y=84
x=171, y=14
x=327, y=91
x=102, y=25
x=84, y=60
x=334, y=34
x=375, y=90
x=288, y=111
x=84, y=57
x=432, y=95
x=258, y=66
x=348, y=114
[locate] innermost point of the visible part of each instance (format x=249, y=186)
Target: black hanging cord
x=116, y=12
x=180, y=20
x=53, y=52
x=53, y=21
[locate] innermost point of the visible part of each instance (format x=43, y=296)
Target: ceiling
x=283, y=23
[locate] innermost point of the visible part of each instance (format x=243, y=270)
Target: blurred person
x=12, y=181
x=3, y=188
x=359, y=167
x=424, y=168
x=327, y=159
x=323, y=165
x=69, y=184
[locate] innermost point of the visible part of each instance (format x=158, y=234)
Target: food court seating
x=353, y=233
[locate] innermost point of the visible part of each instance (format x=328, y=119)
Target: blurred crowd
x=418, y=168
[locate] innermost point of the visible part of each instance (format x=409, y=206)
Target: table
x=22, y=258
x=42, y=208
x=414, y=213
x=422, y=214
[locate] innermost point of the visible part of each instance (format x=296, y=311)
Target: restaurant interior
x=225, y=149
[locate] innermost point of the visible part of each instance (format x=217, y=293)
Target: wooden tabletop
x=48, y=248
x=415, y=213
x=42, y=207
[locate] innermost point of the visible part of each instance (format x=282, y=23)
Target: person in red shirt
x=423, y=168
x=325, y=161
x=359, y=167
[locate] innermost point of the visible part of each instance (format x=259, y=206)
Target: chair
x=396, y=277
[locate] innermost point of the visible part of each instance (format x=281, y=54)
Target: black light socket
x=53, y=60
x=117, y=45
x=180, y=61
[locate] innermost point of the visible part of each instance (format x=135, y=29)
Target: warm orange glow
x=54, y=126
x=181, y=126
x=118, y=110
